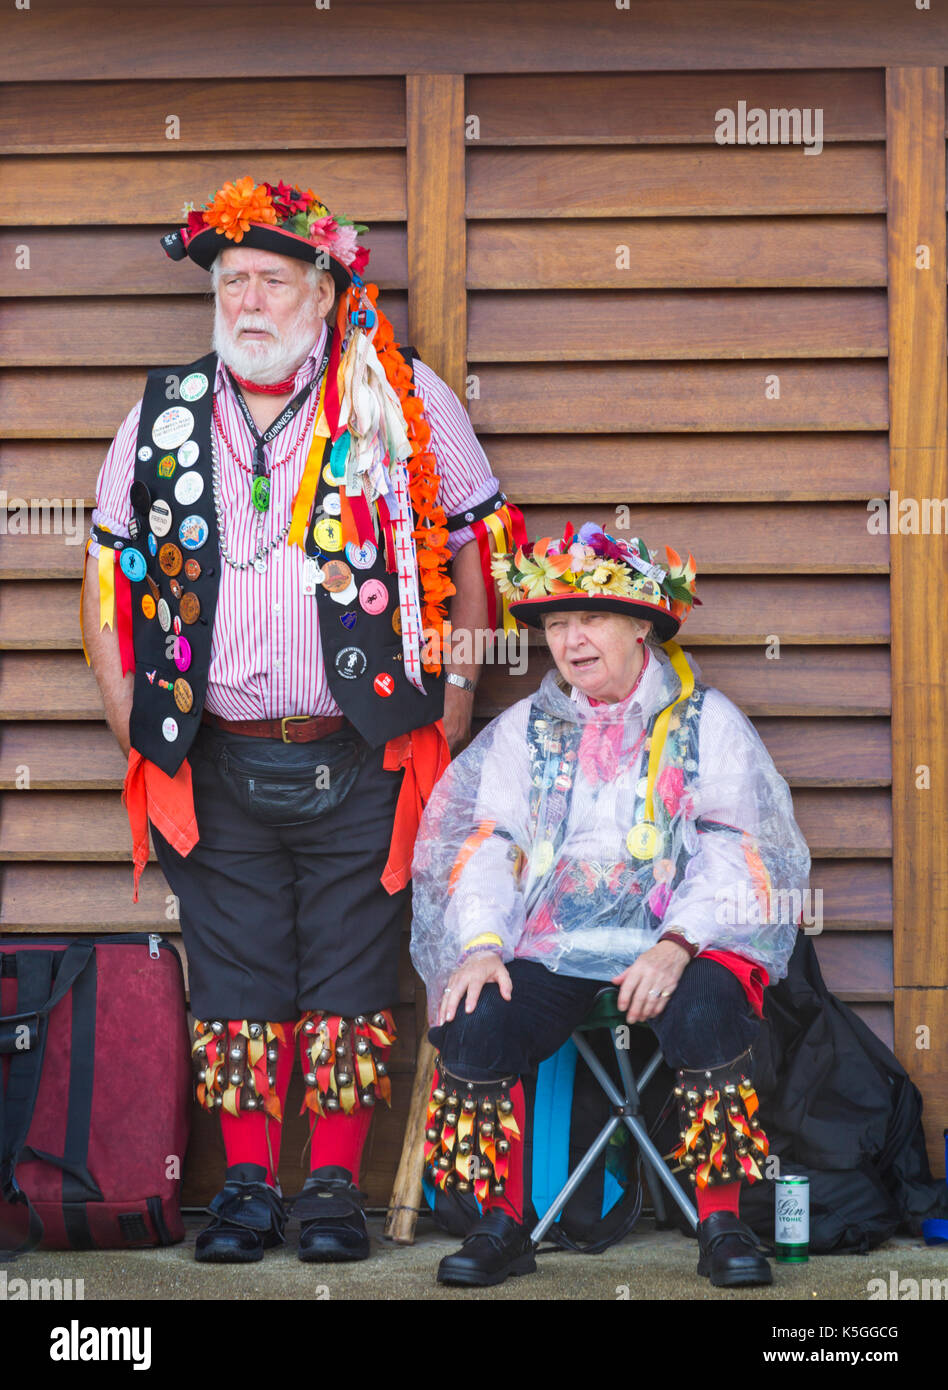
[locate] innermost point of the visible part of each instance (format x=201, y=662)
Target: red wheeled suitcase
x=95, y=1093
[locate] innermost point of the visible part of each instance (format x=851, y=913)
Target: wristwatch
x=462, y=681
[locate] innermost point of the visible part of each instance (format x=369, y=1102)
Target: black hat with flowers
x=271, y=217
x=589, y=569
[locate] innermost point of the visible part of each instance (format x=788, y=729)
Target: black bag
x=839, y=1109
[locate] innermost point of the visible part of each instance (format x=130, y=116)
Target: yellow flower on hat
x=500, y=569
x=609, y=577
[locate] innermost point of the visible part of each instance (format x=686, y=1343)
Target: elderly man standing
x=266, y=620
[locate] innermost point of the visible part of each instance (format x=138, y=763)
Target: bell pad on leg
x=469, y=1128
x=236, y=1064
x=342, y=1064
x=721, y=1136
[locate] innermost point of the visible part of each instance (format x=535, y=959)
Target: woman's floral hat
x=270, y=217
x=589, y=569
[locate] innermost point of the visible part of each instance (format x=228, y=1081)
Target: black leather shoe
x=730, y=1252
x=496, y=1248
x=249, y=1218
x=333, y=1224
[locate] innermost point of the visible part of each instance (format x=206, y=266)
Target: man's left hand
x=458, y=708
x=648, y=984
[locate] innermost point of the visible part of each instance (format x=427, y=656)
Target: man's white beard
x=268, y=360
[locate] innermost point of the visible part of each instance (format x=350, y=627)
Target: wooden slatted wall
x=511, y=168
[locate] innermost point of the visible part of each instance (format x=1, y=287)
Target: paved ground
x=653, y=1265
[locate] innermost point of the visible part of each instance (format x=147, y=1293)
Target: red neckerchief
x=601, y=744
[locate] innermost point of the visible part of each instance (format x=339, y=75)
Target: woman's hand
x=469, y=979
x=648, y=984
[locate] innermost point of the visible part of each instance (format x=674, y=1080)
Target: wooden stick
x=406, y=1194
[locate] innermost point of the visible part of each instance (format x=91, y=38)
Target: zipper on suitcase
x=154, y=941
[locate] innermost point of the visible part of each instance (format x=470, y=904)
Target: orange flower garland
x=431, y=535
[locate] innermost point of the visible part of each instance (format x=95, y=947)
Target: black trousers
x=280, y=901
x=707, y=1021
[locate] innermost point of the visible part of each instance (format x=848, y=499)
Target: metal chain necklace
x=257, y=560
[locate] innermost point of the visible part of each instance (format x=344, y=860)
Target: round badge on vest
x=134, y=528
x=159, y=518
x=373, y=596
x=152, y=546
x=384, y=684
x=192, y=569
x=155, y=591
x=193, y=386
x=193, y=532
x=362, y=557
x=148, y=606
x=172, y=427
x=164, y=615
x=349, y=620
x=139, y=496
x=170, y=729
x=332, y=506
x=133, y=565
x=190, y=608
x=144, y=453
x=397, y=621
x=170, y=558
x=176, y=590
x=188, y=488
x=351, y=662
x=166, y=466
x=189, y=453
x=327, y=534
x=336, y=576
x=329, y=477
x=176, y=625
x=183, y=695
x=182, y=653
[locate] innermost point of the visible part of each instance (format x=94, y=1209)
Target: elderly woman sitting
x=612, y=828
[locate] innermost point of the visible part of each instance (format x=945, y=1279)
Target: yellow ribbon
x=306, y=492
x=496, y=527
x=107, y=587
x=660, y=732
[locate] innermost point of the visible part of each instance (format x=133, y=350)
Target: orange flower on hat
x=238, y=204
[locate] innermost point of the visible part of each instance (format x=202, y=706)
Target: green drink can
x=792, y=1220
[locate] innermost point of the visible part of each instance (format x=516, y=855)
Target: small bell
x=272, y=1054
x=451, y=1180
x=251, y=1103
x=464, y=1147
x=310, y=1078
x=362, y=1047
x=343, y=1078
x=367, y=1098
x=487, y=1128
x=332, y=1103
x=381, y=1069
x=498, y=1187
x=254, y=1029
x=359, y=1020
x=444, y=1163
x=505, y=1106
x=503, y=1146
x=438, y=1096
x=217, y=1028
x=730, y=1089
x=379, y=1021
x=432, y=1136
x=341, y=1048
x=487, y=1106
x=235, y=1054
x=202, y=1074
x=235, y=1078
x=450, y=1118
x=324, y=1058
x=470, y=1105
x=463, y=1185
x=343, y=1028
x=309, y=1026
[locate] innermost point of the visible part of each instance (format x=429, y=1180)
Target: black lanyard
x=285, y=416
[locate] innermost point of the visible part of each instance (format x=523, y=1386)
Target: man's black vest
x=175, y=599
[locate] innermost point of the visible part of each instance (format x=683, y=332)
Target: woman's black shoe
x=249, y=1218
x=333, y=1225
x=496, y=1248
x=730, y=1252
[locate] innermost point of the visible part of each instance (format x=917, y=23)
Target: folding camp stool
x=626, y=1109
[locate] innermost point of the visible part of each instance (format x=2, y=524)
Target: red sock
x=512, y=1200
x=339, y=1139
x=724, y=1197
x=245, y=1135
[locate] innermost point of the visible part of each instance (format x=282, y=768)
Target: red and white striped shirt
x=266, y=660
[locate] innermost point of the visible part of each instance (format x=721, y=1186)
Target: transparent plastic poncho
x=535, y=842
